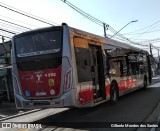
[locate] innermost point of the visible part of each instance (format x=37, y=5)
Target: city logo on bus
x=51, y=82
x=39, y=76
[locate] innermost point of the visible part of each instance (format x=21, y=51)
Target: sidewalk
x=153, y=117
x=9, y=114
x=155, y=114
x=8, y=109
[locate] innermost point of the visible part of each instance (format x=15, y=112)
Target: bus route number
x=50, y=74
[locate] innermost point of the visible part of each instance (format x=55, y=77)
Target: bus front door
x=97, y=72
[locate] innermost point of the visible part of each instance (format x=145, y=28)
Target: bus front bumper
x=67, y=100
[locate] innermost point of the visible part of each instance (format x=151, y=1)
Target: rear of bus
x=42, y=72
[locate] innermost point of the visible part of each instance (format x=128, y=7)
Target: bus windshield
x=39, y=43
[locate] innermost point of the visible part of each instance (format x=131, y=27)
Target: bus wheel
x=113, y=93
x=145, y=83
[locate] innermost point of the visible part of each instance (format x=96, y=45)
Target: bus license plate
x=41, y=93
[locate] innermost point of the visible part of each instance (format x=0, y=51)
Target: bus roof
x=37, y=30
x=106, y=40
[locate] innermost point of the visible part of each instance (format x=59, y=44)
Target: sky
x=116, y=13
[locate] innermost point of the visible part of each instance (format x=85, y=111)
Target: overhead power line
x=101, y=23
x=97, y=21
x=86, y=15
x=26, y=14
x=5, y=36
x=146, y=30
x=5, y=25
x=18, y=21
x=8, y=31
x=14, y=24
x=83, y=13
x=92, y=18
x=142, y=28
x=143, y=32
x=12, y=28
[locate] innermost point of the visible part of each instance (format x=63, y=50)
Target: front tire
x=113, y=93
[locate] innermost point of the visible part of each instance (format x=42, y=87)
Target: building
x=5, y=71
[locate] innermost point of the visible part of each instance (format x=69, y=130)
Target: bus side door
x=97, y=71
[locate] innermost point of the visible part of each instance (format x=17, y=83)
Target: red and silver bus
x=62, y=66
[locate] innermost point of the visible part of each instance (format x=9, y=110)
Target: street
x=70, y=65
x=133, y=107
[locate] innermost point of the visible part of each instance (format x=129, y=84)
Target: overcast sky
x=116, y=13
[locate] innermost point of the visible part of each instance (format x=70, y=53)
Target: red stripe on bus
x=123, y=85
x=85, y=96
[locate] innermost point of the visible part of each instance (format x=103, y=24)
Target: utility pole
x=105, y=27
x=150, y=45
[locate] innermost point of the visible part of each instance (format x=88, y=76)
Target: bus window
x=133, y=65
x=142, y=63
x=123, y=68
x=118, y=66
x=37, y=44
x=83, y=64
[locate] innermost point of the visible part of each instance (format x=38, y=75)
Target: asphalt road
x=134, y=107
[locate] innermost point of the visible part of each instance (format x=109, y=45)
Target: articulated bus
x=62, y=66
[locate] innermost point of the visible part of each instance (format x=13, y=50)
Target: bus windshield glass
x=38, y=43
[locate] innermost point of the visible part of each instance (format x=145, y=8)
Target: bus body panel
x=63, y=77
x=89, y=66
